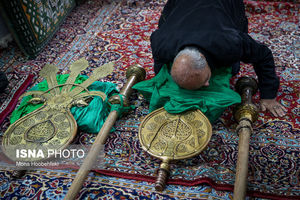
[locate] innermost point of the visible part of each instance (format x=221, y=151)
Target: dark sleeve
x=3, y=81
x=157, y=65
x=166, y=11
x=262, y=59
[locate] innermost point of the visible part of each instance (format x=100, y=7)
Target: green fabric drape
x=120, y=108
x=89, y=118
x=162, y=91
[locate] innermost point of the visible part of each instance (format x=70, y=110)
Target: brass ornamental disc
x=174, y=136
x=52, y=126
x=42, y=129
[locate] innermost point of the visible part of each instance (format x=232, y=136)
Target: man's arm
x=157, y=65
x=262, y=59
x=158, y=62
x=166, y=12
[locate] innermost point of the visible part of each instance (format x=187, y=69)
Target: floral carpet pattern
x=45, y=184
x=120, y=32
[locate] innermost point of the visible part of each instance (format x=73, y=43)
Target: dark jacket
x=219, y=29
x=3, y=82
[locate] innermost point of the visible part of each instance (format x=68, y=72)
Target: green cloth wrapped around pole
x=90, y=118
x=162, y=91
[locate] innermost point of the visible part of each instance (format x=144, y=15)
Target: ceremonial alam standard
x=163, y=135
x=173, y=137
x=52, y=126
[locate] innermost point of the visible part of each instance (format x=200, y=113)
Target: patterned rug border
x=12, y=104
x=203, y=193
x=216, y=186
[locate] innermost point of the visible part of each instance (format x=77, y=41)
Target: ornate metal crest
x=173, y=136
x=52, y=125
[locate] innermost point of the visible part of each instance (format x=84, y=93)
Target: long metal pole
x=245, y=114
x=134, y=74
x=240, y=184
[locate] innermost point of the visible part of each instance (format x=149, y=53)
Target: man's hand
x=273, y=106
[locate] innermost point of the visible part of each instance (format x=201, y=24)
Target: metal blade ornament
x=173, y=137
x=52, y=125
x=49, y=73
x=75, y=69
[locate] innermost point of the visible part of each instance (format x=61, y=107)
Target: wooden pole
x=240, y=184
x=134, y=74
x=245, y=114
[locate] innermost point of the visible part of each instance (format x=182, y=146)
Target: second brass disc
x=174, y=136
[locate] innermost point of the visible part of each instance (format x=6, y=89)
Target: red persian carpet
x=120, y=32
x=18, y=84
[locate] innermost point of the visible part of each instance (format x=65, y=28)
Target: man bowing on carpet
x=202, y=36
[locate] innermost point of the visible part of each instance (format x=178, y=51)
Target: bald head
x=190, y=69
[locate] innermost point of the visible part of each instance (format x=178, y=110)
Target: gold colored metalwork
x=246, y=87
x=134, y=74
x=173, y=137
x=52, y=125
x=246, y=111
x=245, y=114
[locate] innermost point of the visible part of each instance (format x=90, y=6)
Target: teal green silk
x=120, y=108
x=90, y=118
x=162, y=91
